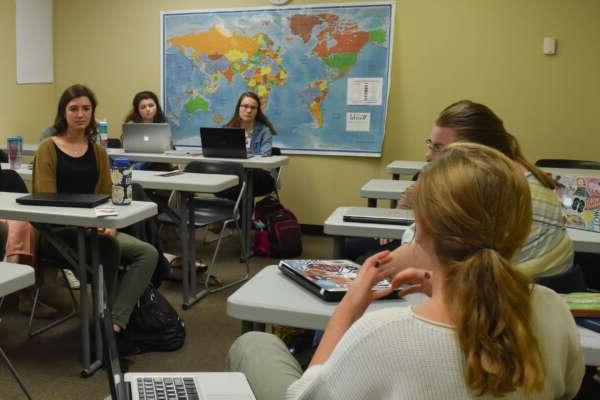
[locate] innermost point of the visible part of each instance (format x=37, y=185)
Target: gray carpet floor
x=49, y=363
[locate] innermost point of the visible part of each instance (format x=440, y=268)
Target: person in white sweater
x=484, y=332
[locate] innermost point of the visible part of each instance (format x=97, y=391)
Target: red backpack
x=285, y=235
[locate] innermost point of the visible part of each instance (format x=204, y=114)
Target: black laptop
x=372, y=215
x=63, y=199
x=223, y=142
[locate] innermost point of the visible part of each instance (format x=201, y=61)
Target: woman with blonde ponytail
x=484, y=332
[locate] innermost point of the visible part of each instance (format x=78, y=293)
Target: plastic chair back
x=114, y=143
x=217, y=167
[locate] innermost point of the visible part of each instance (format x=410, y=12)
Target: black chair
x=114, y=143
x=564, y=163
x=203, y=212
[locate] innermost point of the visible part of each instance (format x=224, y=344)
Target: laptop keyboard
x=167, y=388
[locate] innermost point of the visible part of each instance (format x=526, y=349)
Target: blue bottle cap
x=121, y=162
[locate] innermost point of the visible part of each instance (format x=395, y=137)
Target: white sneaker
x=72, y=279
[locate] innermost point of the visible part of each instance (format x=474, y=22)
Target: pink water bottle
x=14, y=147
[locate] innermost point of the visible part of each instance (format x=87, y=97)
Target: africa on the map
x=297, y=60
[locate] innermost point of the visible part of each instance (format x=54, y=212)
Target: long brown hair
x=134, y=114
x=475, y=205
x=477, y=123
x=70, y=93
x=235, y=121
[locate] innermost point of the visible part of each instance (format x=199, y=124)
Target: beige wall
x=24, y=109
x=486, y=50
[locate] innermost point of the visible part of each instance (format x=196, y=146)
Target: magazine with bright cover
x=328, y=279
x=580, y=199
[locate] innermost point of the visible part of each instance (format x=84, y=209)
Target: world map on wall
x=303, y=63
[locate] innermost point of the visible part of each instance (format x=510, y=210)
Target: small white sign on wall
x=358, y=121
x=34, y=41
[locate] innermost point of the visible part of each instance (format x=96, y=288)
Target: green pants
x=266, y=362
x=137, y=259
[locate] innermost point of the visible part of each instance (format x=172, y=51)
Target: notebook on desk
x=80, y=200
x=164, y=385
x=146, y=138
x=328, y=279
x=372, y=215
x=580, y=200
x=223, y=142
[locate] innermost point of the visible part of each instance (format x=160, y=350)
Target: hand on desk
x=354, y=303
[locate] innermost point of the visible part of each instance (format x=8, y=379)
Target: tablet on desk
x=80, y=200
x=371, y=215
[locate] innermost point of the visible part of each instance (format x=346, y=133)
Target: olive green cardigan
x=44, y=169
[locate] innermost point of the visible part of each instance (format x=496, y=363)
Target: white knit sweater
x=394, y=354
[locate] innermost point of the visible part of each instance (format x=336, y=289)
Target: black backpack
x=154, y=325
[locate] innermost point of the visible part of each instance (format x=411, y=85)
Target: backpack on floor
x=154, y=325
x=285, y=235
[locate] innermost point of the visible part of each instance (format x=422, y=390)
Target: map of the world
x=321, y=73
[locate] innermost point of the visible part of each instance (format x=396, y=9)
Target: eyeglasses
x=433, y=147
x=248, y=107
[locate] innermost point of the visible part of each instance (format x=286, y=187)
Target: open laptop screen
x=147, y=138
x=223, y=142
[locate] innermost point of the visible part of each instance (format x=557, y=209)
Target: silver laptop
x=163, y=385
x=372, y=215
x=146, y=138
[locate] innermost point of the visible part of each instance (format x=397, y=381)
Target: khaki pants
x=266, y=362
x=138, y=259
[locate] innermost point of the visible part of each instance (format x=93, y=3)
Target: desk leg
x=338, y=246
x=83, y=301
x=246, y=214
x=190, y=293
x=249, y=326
x=371, y=202
x=89, y=367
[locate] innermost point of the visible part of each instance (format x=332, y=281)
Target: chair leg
x=14, y=373
x=33, y=332
x=211, y=266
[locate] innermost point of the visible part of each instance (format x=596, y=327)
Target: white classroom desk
x=14, y=277
x=42, y=217
x=186, y=184
x=270, y=297
x=334, y=225
x=254, y=162
x=387, y=189
x=403, y=167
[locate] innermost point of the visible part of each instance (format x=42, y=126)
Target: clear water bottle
x=14, y=147
x=103, y=132
x=122, y=182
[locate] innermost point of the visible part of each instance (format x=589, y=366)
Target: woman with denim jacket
x=259, y=140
